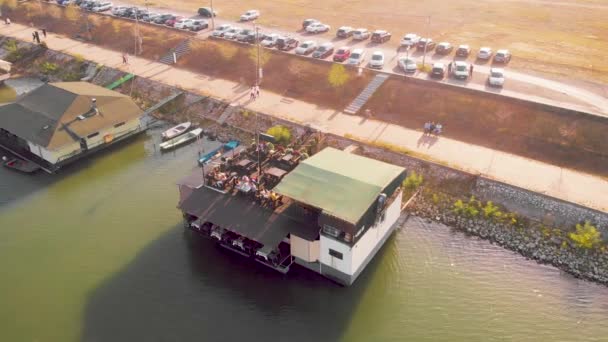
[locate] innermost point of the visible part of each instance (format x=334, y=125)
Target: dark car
x=381, y=36
x=444, y=48
x=139, y=13
x=206, y=12
x=128, y=12
x=342, y=54
x=463, y=51
x=253, y=38
x=430, y=44
x=286, y=44
x=161, y=19
x=438, y=71
x=324, y=51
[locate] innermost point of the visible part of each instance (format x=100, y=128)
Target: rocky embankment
x=528, y=238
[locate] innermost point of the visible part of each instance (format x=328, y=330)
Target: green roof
x=342, y=184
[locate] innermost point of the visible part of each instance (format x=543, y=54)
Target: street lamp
x=426, y=41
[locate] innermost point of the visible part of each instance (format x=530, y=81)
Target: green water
x=98, y=253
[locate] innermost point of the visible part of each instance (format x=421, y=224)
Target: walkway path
x=566, y=184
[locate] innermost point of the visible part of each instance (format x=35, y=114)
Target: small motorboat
x=176, y=131
x=20, y=165
x=229, y=146
x=181, y=140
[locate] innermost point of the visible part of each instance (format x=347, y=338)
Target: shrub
x=424, y=68
x=48, y=68
x=492, y=212
x=586, y=236
x=281, y=133
x=412, y=181
x=469, y=208
x=78, y=58
x=337, y=76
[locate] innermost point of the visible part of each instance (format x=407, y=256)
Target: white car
x=250, y=15
x=184, y=24
x=496, y=77
x=408, y=65
x=306, y=47
x=410, y=40
x=232, y=32
x=102, y=7
x=461, y=70
x=220, y=30
x=317, y=28
x=356, y=57
x=484, y=53
x=270, y=40
x=377, y=60
x=361, y=34
x=118, y=9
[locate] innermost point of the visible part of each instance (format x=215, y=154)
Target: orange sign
x=108, y=138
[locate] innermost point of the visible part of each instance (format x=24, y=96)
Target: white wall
x=53, y=155
x=372, y=237
x=304, y=249
x=343, y=265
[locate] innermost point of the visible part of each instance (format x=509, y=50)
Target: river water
x=98, y=253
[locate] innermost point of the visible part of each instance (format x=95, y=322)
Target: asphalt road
x=517, y=84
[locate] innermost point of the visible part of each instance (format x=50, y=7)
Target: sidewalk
x=551, y=180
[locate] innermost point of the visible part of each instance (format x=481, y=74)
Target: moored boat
x=232, y=144
x=181, y=140
x=176, y=131
x=20, y=165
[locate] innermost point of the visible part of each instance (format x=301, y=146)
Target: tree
x=281, y=133
x=337, y=76
x=586, y=236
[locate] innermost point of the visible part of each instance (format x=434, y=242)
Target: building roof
x=40, y=115
x=342, y=184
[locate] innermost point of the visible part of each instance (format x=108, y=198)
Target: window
x=331, y=231
x=335, y=254
x=119, y=124
x=92, y=135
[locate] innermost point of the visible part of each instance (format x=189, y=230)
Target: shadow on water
x=15, y=186
x=182, y=287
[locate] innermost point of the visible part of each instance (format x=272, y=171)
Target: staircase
x=371, y=88
x=180, y=50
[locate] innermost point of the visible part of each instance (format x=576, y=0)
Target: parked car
x=220, y=30
x=461, y=70
x=138, y=13
x=250, y=15
x=253, y=37
x=356, y=57
x=88, y=4
x=381, y=36
x=149, y=17
x=171, y=22
x=410, y=40
x=344, y=32
x=270, y=40
x=444, y=48
x=307, y=22
x=199, y=24
x=287, y=43
x=324, y=51
x=161, y=19
x=317, y=28
x=463, y=51
x=484, y=53
x=118, y=9
x=408, y=65
x=242, y=35
x=438, y=70
x=361, y=34
x=306, y=48
x=232, y=32
x=183, y=23
x=102, y=7
x=342, y=54
x=129, y=12
x=430, y=44
x=502, y=56
x=206, y=12
x=496, y=78
x=377, y=60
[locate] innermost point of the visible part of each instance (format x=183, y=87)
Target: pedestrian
x=427, y=127
x=37, y=37
x=432, y=128
x=124, y=58
x=471, y=70
x=257, y=91
x=252, y=94
x=44, y=32
x=450, y=68
x=7, y=21
x=34, y=37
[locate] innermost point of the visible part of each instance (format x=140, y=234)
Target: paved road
x=518, y=84
x=552, y=180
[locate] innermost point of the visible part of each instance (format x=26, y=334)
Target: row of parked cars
x=412, y=40
x=88, y=5
x=166, y=19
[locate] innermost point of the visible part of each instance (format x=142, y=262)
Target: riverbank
x=225, y=121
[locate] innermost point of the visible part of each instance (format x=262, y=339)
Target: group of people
x=255, y=92
x=245, y=185
x=36, y=36
x=432, y=128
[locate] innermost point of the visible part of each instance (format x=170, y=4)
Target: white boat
x=177, y=130
x=182, y=139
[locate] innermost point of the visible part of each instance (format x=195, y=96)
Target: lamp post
x=257, y=85
x=428, y=25
x=212, y=15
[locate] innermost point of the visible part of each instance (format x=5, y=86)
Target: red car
x=342, y=54
x=171, y=22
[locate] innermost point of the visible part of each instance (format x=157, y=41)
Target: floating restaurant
x=330, y=212
x=58, y=123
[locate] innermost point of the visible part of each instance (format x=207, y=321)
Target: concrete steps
x=371, y=88
x=180, y=50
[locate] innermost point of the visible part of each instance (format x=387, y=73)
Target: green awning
x=342, y=184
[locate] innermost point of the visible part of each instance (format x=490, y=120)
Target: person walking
x=257, y=91
x=252, y=94
x=37, y=37
x=124, y=58
x=7, y=21
x=449, y=69
x=471, y=71
x=44, y=32
x=33, y=37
